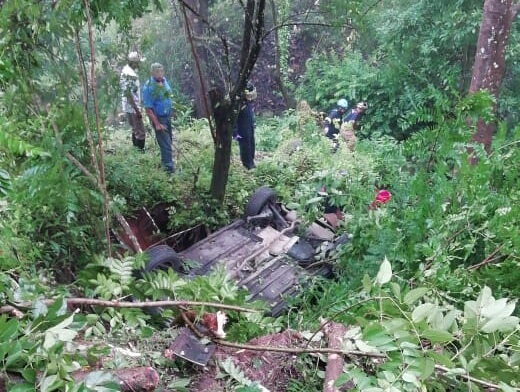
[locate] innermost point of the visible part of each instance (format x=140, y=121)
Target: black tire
x=163, y=257
x=259, y=200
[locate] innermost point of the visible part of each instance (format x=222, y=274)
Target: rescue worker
x=349, y=124
x=333, y=122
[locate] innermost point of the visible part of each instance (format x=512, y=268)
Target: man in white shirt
x=131, y=99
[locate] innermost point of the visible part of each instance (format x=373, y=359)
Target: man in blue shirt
x=158, y=104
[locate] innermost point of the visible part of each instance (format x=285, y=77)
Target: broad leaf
x=500, y=324
x=385, y=272
x=415, y=294
x=423, y=311
x=437, y=336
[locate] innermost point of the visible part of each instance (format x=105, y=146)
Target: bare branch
x=101, y=171
x=298, y=350
x=288, y=24
x=202, y=85
x=128, y=304
x=467, y=377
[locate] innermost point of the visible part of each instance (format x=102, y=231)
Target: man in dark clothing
x=244, y=130
x=349, y=124
x=334, y=119
x=333, y=122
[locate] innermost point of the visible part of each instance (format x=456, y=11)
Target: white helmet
x=343, y=103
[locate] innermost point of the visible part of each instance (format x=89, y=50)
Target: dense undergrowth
x=448, y=234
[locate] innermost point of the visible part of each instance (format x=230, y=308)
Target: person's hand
x=237, y=137
x=160, y=127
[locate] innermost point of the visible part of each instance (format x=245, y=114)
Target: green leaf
x=441, y=359
x=396, y=290
x=146, y=332
x=342, y=379
x=367, y=283
x=506, y=388
x=423, y=311
x=29, y=374
x=385, y=272
x=499, y=308
x=8, y=329
x=500, y=324
x=364, y=347
x=437, y=336
x=415, y=294
x=410, y=377
x=485, y=298
x=21, y=387
x=423, y=367
x=50, y=383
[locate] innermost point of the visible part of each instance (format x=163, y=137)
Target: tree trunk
x=489, y=63
x=195, y=26
x=335, y=335
x=224, y=94
x=224, y=120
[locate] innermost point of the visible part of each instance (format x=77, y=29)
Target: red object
x=382, y=197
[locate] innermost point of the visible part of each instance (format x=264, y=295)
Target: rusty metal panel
x=187, y=346
x=274, y=282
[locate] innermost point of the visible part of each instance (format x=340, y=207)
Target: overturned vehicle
x=261, y=251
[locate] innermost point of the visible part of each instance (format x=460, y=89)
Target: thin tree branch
x=202, y=85
x=488, y=259
x=289, y=24
x=210, y=28
x=298, y=350
x=128, y=304
x=102, y=179
x=467, y=377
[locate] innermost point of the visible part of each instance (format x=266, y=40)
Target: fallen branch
x=331, y=350
x=70, y=302
x=335, y=334
x=467, y=377
x=488, y=259
x=298, y=350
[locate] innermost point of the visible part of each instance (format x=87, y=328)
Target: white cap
x=135, y=58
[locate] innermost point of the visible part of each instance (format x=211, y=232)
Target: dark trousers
x=164, y=139
x=247, y=150
x=138, y=131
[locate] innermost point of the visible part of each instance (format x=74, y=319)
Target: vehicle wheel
x=163, y=257
x=259, y=200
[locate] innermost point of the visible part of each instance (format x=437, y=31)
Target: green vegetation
x=428, y=281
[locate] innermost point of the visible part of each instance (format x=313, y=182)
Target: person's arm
x=131, y=100
x=156, y=124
